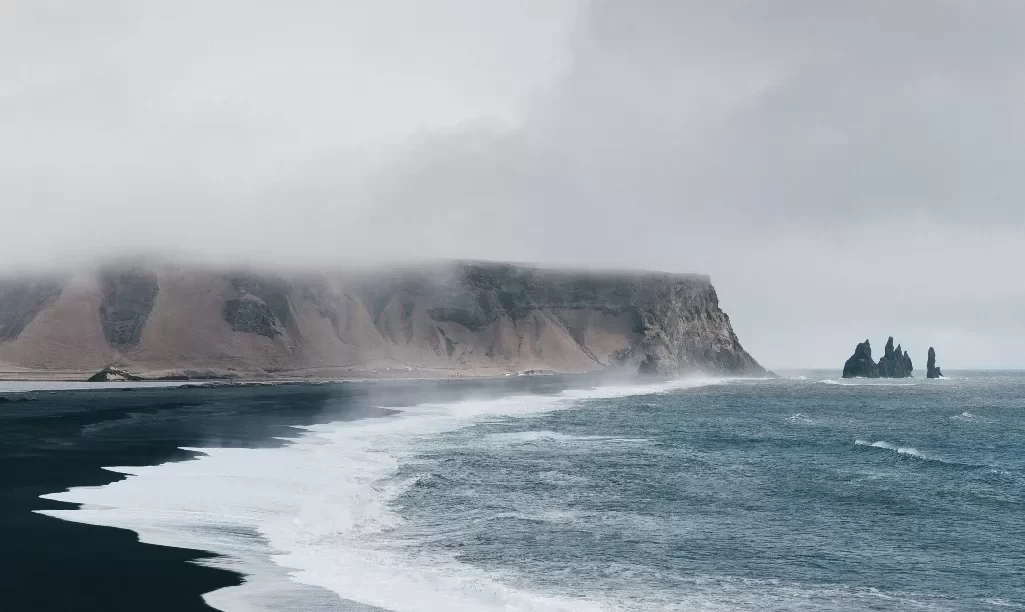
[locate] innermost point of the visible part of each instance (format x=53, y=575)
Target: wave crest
x=908, y=451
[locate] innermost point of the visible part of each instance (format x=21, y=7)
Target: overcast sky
x=842, y=169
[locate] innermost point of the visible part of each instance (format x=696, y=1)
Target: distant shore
x=304, y=375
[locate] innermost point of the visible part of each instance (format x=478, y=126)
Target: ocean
x=537, y=494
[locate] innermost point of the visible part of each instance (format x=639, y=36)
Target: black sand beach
x=53, y=440
x=56, y=440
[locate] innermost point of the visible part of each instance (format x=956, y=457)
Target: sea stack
x=895, y=362
x=931, y=369
x=861, y=365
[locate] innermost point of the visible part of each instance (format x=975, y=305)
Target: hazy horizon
x=840, y=170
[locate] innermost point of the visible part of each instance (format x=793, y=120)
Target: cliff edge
x=472, y=317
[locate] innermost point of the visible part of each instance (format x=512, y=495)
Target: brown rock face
x=446, y=317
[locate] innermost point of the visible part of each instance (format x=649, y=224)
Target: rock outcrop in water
x=438, y=319
x=112, y=374
x=895, y=362
x=931, y=369
x=861, y=364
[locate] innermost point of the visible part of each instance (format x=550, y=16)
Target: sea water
x=802, y=493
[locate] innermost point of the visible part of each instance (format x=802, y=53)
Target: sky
x=843, y=170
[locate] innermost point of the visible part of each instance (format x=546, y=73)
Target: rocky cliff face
x=444, y=318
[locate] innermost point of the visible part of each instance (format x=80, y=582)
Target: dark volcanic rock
x=895, y=363
x=263, y=306
x=252, y=315
x=861, y=364
x=272, y=291
x=128, y=298
x=112, y=374
x=931, y=369
x=21, y=301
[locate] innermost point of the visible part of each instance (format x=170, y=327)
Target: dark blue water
x=747, y=495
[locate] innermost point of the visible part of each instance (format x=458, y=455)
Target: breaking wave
x=315, y=511
x=900, y=450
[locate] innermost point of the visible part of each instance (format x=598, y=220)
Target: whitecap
x=798, y=419
x=968, y=417
x=907, y=451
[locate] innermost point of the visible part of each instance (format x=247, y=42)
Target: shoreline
x=64, y=440
x=300, y=376
x=67, y=440
x=232, y=599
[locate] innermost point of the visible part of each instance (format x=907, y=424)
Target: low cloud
x=841, y=169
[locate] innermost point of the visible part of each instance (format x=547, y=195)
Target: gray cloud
x=841, y=169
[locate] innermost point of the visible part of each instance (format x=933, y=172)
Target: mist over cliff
x=439, y=318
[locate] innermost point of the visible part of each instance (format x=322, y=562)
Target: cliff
x=443, y=318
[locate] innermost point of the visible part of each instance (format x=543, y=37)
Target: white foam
x=968, y=417
x=879, y=444
x=320, y=507
x=900, y=450
x=799, y=419
x=911, y=452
